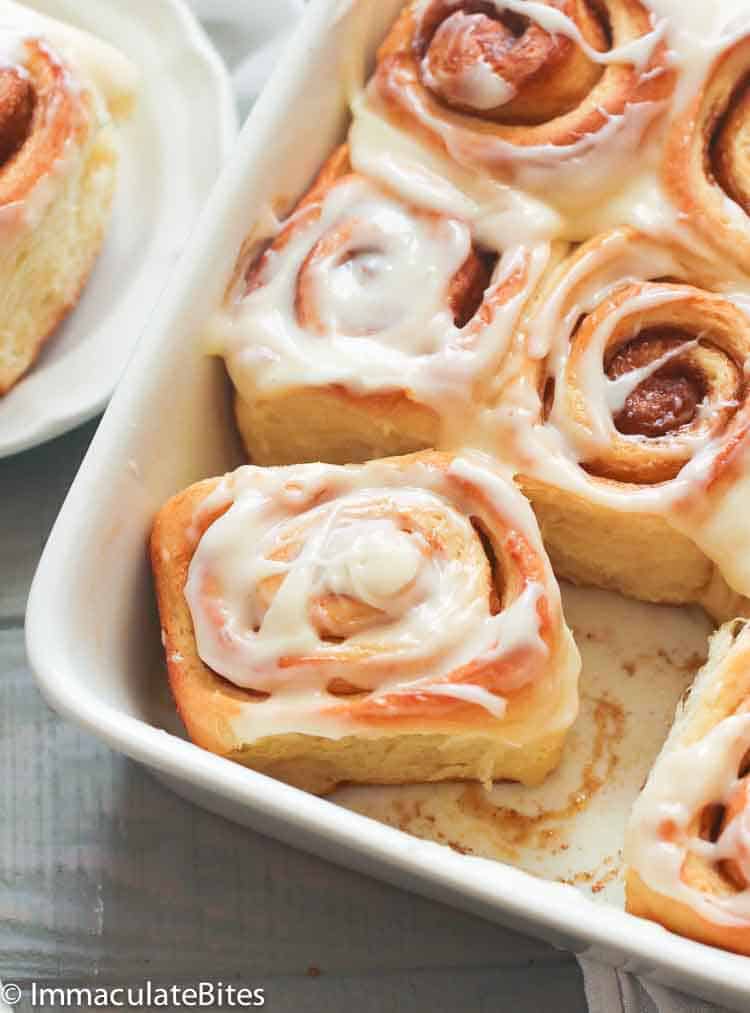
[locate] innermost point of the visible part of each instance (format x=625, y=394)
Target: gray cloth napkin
x=612, y=991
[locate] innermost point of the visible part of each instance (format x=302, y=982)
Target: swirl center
x=379, y=269
x=665, y=401
x=371, y=561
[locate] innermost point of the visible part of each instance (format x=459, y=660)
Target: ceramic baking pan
x=93, y=635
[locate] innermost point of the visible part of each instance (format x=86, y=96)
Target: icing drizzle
x=375, y=575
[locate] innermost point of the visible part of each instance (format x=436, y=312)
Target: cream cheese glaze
x=399, y=541
x=358, y=296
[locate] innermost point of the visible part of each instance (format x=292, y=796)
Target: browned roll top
x=543, y=75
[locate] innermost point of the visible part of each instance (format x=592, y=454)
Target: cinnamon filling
x=548, y=397
x=469, y=284
x=730, y=868
x=667, y=400
x=340, y=687
x=711, y=822
x=728, y=151
x=496, y=573
x=505, y=67
x=17, y=101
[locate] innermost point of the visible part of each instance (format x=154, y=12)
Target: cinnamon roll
x=392, y=622
x=688, y=840
x=60, y=90
x=368, y=326
x=637, y=425
x=554, y=98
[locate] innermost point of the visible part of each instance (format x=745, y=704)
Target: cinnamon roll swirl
x=391, y=622
x=368, y=326
x=638, y=423
x=59, y=92
x=688, y=840
x=553, y=97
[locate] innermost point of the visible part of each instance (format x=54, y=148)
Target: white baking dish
x=92, y=631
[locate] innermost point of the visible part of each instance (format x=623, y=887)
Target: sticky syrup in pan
x=638, y=659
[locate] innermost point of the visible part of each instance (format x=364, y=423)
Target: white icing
x=480, y=87
x=697, y=34
x=563, y=176
x=495, y=705
x=604, y=398
x=373, y=563
x=355, y=533
x=558, y=191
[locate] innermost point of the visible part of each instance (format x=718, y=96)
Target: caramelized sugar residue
x=513, y=829
x=600, y=878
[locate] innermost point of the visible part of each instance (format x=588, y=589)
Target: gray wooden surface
x=107, y=877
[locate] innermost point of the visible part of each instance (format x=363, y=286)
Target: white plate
x=172, y=151
x=92, y=629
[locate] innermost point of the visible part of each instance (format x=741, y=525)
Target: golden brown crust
x=682, y=919
x=594, y=545
x=305, y=424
